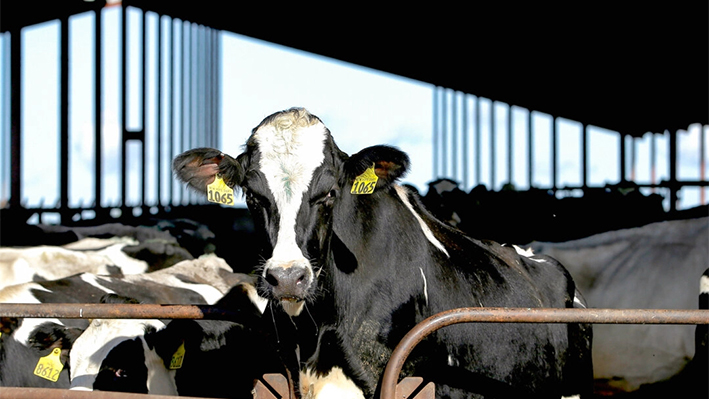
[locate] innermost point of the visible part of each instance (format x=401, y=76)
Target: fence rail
x=462, y=315
x=398, y=357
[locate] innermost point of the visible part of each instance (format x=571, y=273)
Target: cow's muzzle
x=289, y=285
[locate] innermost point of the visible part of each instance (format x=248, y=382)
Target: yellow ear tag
x=218, y=192
x=178, y=357
x=365, y=183
x=50, y=366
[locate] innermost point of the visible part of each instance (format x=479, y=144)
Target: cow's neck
x=379, y=254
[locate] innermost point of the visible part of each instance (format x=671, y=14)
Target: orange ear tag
x=365, y=183
x=219, y=193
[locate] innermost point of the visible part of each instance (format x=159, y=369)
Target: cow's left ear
x=167, y=341
x=48, y=336
x=389, y=162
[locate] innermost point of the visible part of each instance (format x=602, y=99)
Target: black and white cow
x=358, y=253
x=89, y=255
x=205, y=358
x=24, y=341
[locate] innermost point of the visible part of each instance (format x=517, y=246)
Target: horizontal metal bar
x=54, y=393
x=462, y=315
x=528, y=315
x=114, y=311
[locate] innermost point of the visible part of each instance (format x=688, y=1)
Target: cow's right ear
x=199, y=167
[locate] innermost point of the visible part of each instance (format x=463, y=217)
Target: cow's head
x=112, y=355
x=292, y=174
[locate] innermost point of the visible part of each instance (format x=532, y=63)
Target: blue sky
x=362, y=107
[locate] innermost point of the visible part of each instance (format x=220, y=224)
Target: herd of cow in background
x=333, y=316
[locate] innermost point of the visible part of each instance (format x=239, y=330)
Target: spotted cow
x=354, y=255
x=24, y=341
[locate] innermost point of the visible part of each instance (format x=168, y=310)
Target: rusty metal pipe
x=115, y=311
x=462, y=315
x=527, y=315
x=54, y=393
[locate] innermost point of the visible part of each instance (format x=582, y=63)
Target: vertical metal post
x=478, y=142
x=158, y=116
x=554, y=154
x=217, y=87
x=186, y=93
x=454, y=134
x=143, y=90
x=702, y=164
x=493, y=150
x=198, y=104
x=208, y=86
x=584, y=156
x=510, y=147
x=464, y=129
x=16, y=118
x=530, y=148
x=124, y=92
x=204, y=90
x=444, y=133
x=193, y=92
x=653, y=160
x=64, y=120
x=633, y=161
x=673, y=171
x=622, y=158
x=98, y=101
x=171, y=110
x=435, y=131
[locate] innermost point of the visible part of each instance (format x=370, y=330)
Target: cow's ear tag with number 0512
x=49, y=367
x=365, y=183
x=218, y=192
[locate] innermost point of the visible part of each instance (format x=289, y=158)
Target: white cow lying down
x=657, y=266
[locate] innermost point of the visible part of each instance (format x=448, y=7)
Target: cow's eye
x=324, y=199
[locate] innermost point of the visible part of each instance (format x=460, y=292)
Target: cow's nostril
x=271, y=279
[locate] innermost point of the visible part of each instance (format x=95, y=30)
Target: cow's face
x=288, y=175
x=112, y=355
x=293, y=177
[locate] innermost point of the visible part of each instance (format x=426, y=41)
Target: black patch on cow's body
x=123, y=369
x=152, y=292
x=222, y=358
x=67, y=290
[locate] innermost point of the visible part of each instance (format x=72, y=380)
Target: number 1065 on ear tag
x=218, y=192
x=366, y=182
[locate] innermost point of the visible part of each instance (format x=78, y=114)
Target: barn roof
x=630, y=67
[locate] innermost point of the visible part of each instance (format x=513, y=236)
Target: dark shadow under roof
x=627, y=67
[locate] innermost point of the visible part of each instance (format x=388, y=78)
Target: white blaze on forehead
x=290, y=152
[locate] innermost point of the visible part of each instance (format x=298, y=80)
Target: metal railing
x=397, y=359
